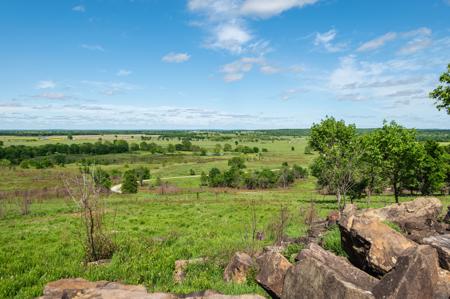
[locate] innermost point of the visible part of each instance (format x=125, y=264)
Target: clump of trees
x=236, y=177
x=441, y=94
x=361, y=165
x=129, y=182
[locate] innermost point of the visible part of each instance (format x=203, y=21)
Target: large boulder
x=371, y=244
x=321, y=274
x=418, y=217
x=416, y=275
x=443, y=285
x=418, y=210
x=82, y=289
x=238, y=268
x=442, y=245
x=272, y=269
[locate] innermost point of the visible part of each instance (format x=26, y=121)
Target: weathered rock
x=274, y=249
x=333, y=218
x=414, y=276
x=443, y=285
x=82, y=289
x=238, y=268
x=321, y=274
x=447, y=216
x=442, y=245
x=272, y=269
x=181, y=265
x=417, y=211
x=372, y=245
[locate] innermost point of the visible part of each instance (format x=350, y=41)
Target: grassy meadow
x=152, y=230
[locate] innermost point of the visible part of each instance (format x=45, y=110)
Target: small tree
x=339, y=155
x=237, y=162
x=142, y=173
x=129, y=182
x=203, y=179
x=101, y=178
x=441, y=94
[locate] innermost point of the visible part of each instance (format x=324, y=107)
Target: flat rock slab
x=82, y=289
x=442, y=245
x=321, y=274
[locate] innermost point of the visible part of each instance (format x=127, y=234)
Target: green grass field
x=151, y=230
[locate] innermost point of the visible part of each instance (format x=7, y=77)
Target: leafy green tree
x=217, y=149
x=432, y=170
x=397, y=147
x=232, y=177
x=237, y=162
x=227, y=147
x=215, y=177
x=70, y=137
x=171, y=148
x=142, y=173
x=101, y=178
x=203, y=179
x=442, y=93
x=339, y=155
x=129, y=182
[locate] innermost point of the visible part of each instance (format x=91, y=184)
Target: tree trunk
x=338, y=196
x=395, y=191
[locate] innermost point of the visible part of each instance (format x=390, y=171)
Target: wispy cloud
x=79, y=8
x=93, y=47
x=176, y=57
x=269, y=8
x=415, y=45
x=123, y=73
x=325, y=40
x=52, y=96
x=45, y=84
x=377, y=42
x=111, y=88
x=236, y=70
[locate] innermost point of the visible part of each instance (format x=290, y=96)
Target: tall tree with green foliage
x=129, y=182
x=441, y=94
x=432, y=170
x=398, y=149
x=339, y=155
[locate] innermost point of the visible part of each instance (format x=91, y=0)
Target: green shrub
x=393, y=226
x=129, y=183
x=292, y=249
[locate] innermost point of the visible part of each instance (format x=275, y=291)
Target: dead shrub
x=277, y=227
x=97, y=242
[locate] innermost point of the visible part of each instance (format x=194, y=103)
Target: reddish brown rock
x=372, y=245
x=321, y=274
x=272, y=269
x=238, y=268
x=415, y=275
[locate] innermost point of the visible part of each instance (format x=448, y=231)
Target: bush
x=332, y=241
x=191, y=171
x=129, y=183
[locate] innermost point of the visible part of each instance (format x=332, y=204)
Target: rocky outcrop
x=418, y=218
x=238, y=268
x=442, y=245
x=82, y=289
x=321, y=274
x=415, y=275
x=372, y=245
x=272, y=269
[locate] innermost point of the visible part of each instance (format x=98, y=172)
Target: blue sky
x=220, y=64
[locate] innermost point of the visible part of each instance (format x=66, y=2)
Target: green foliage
x=129, y=182
x=101, y=178
x=237, y=162
x=292, y=250
x=331, y=241
x=442, y=93
x=142, y=173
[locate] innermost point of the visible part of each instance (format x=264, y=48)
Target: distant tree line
x=236, y=177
